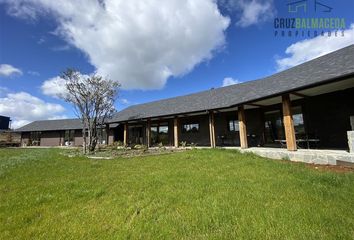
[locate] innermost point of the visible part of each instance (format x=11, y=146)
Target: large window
x=190, y=128
x=159, y=134
x=274, y=127
x=163, y=135
x=233, y=125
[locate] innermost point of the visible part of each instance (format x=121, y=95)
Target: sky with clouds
x=155, y=49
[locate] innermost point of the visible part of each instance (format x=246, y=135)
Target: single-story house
x=307, y=106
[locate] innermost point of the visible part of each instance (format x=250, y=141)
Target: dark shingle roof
x=48, y=125
x=330, y=66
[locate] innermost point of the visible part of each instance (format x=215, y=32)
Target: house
x=309, y=105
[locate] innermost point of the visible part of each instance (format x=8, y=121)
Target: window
x=233, y=126
x=154, y=135
x=135, y=135
x=190, y=128
x=159, y=134
x=35, y=138
x=163, y=135
x=69, y=136
x=298, y=122
x=102, y=135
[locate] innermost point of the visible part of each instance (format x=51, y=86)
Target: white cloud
x=251, y=12
x=23, y=108
x=229, y=81
x=139, y=43
x=8, y=70
x=308, y=49
x=54, y=87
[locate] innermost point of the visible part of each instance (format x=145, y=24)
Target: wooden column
x=175, y=132
x=148, y=133
x=242, y=126
x=212, y=130
x=288, y=124
x=125, y=135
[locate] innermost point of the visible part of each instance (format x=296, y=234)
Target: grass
x=197, y=194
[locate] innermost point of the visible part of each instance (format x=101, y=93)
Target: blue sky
x=156, y=50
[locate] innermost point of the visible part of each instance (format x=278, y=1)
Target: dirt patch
x=331, y=168
x=324, y=168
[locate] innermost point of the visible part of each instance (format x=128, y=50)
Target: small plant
x=183, y=144
x=161, y=146
x=192, y=145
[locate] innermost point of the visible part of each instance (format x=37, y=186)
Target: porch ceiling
x=309, y=92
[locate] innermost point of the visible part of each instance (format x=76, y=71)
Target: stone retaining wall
x=326, y=157
x=351, y=141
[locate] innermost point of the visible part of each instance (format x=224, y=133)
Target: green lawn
x=197, y=194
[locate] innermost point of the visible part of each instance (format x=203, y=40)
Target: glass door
x=273, y=128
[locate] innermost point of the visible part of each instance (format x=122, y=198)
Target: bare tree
x=93, y=99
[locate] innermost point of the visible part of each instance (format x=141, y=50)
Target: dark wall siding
x=255, y=127
x=78, y=141
x=200, y=138
x=51, y=138
x=327, y=117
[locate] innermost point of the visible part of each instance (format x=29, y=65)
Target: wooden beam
x=148, y=133
x=212, y=130
x=242, y=126
x=125, y=135
x=288, y=124
x=175, y=132
x=254, y=105
x=299, y=94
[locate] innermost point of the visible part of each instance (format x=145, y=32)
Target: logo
x=309, y=26
x=302, y=6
